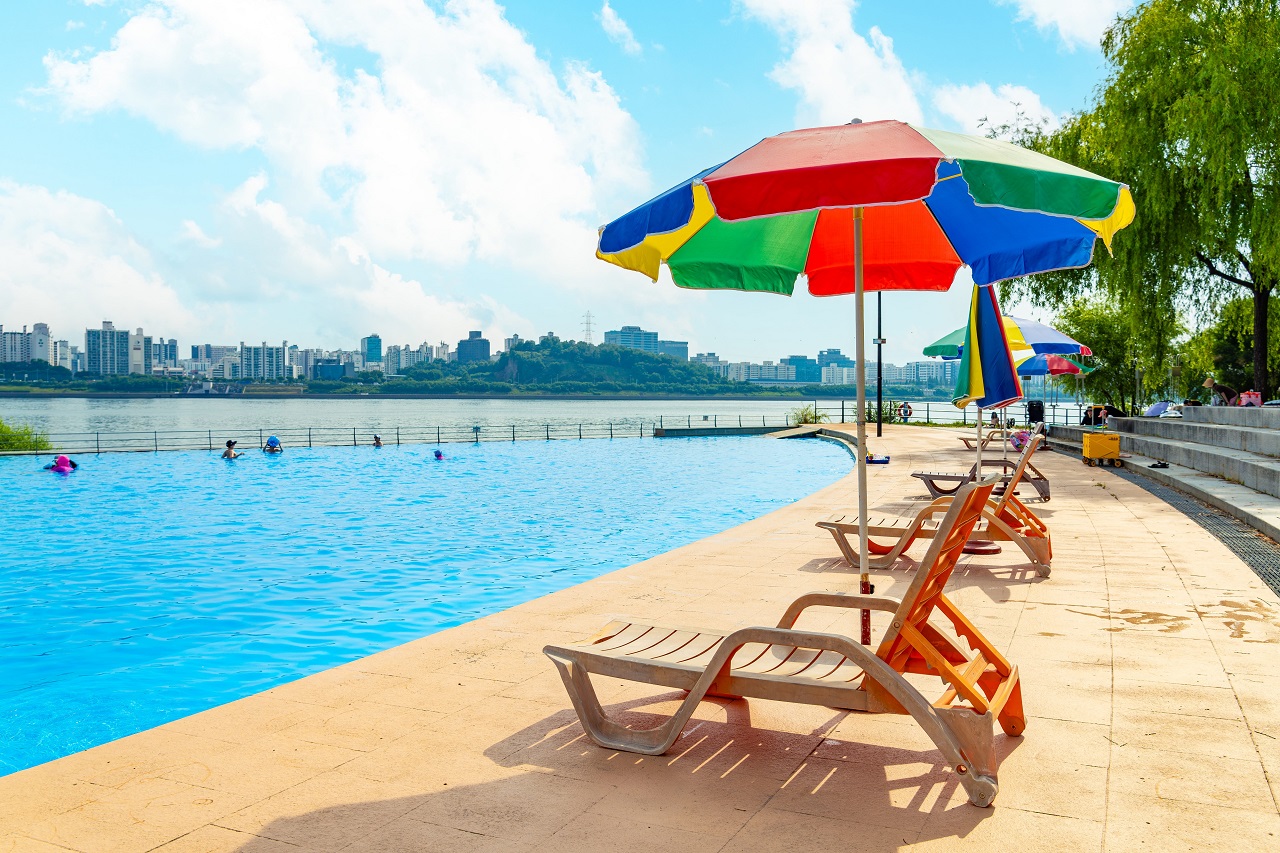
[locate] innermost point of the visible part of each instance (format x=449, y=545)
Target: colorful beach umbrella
x=875, y=206
x=1023, y=335
x=987, y=374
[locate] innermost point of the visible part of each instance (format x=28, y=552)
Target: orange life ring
x=904, y=411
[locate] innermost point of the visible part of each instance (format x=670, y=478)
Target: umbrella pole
x=864, y=558
x=978, y=474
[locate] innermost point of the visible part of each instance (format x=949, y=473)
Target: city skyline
x=304, y=171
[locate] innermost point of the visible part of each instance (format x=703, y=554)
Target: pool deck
x=1150, y=664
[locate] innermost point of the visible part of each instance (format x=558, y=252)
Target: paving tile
x=25, y=844
x=139, y=815
x=1223, y=782
x=407, y=834
x=217, y=839
x=963, y=827
x=361, y=726
x=1150, y=823
x=524, y=807
x=773, y=830
x=262, y=768
x=632, y=834
x=325, y=812
x=1211, y=738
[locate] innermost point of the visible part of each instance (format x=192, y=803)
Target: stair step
x=1260, y=440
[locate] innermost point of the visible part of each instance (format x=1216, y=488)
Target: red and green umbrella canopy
x=1046, y=364
x=934, y=201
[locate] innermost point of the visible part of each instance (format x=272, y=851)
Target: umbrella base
x=981, y=546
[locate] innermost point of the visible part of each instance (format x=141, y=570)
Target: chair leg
x=973, y=732
x=606, y=732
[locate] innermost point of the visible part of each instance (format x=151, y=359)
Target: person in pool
x=273, y=446
x=230, y=452
x=377, y=441
x=439, y=456
x=62, y=465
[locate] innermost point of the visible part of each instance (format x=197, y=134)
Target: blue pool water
x=145, y=587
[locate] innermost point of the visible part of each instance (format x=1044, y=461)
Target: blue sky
x=315, y=171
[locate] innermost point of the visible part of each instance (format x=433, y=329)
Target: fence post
x=715, y=421
x=211, y=439
x=155, y=437
x=397, y=436
x=689, y=421
x=513, y=432
x=259, y=439
x=308, y=436
x=610, y=429
x=927, y=419
x=354, y=443
x=739, y=420
x=437, y=435
x=579, y=432
x=97, y=441
x=659, y=421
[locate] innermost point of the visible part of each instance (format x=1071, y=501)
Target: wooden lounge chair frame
x=1032, y=476
x=972, y=443
x=809, y=667
x=1004, y=518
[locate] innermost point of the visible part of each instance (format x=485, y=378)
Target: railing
x=216, y=439
x=944, y=414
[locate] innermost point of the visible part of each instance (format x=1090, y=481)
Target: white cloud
x=193, y=232
x=75, y=25
x=617, y=30
x=457, y=143
x=969, y=106
x=839, y=74
x=70, y=262
x=1079, y=22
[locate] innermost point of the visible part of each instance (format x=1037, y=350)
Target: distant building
x=474, y=348
x=510, y=343
x=106, y=350
x=265, y=362
x=828, y=357
x=834, y=374
x=807, y=369
x=213, y=352
x=371, y=350
x=713, y=361
x=634, y=337
x=675, y=349
x=164, y=353
x=60, y=354
x=549, y=338
x=26, y=346
x=333, y=370
x=140, y=353
x=745, y=371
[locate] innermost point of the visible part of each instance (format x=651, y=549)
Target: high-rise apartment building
x=60, y=354
x=828, y=357
x=26, y=346
x=213, y=352
x=106, y=350
x=807, y=369
x=265, y=362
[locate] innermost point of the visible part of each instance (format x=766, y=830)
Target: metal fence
x=842, y=411
x=333, y=436
x=942, y=413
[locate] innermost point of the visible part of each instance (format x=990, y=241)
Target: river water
x=239, y=415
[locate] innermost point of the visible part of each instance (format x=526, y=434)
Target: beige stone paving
x=1149, y=663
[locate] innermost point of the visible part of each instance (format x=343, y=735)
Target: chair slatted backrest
x=935, y=570
x=1023, y=459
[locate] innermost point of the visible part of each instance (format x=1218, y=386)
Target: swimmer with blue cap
x=439, y=456
x=273, y=446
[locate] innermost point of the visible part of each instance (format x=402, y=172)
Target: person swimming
x=439, y=456
x=273, y=446
x=377, y=441
x=62, y=465
x=230, y=452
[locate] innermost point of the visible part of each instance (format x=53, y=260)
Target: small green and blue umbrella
x=1023, y=335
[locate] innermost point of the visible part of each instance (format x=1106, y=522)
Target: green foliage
x=22, y=438
x=807, y=414
x=1116, y=351
x=1225, y=349
x=1190, y=118
x=33, y=371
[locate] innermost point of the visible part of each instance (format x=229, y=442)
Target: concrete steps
x=1229, y=458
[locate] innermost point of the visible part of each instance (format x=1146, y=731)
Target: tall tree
x=1189, y=116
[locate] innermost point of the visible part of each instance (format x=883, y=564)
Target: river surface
x=240, y=415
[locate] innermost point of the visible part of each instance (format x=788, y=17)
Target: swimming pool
x=145, y=587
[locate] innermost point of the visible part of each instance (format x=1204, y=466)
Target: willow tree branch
x=1245, y=283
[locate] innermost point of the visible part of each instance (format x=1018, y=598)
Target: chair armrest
x=836, y=599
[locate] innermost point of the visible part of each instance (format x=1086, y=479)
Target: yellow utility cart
x=1102, y=448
